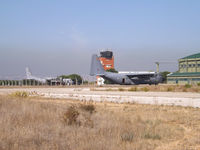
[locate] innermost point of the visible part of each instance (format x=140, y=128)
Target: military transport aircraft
x=124, y=78
x=30, y=76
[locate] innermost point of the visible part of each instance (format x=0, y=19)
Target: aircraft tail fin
x=96, y=66
x=28, y=73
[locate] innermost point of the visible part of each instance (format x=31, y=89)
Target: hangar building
x=189, y=71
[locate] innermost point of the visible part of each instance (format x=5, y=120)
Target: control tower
x=107, y=59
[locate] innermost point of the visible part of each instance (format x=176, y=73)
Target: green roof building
x=189, y=71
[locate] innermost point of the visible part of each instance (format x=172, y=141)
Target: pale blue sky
x=59, y=37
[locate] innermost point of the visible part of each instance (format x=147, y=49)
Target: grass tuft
x=170, y=89
x=109, y=89
x=188, y=86
x=133, y=89
x=121, y=89
x=127, y=137
x=20, y=94
x=145, y=89
x=152, y=136
x=90, y=108
x=70, y=116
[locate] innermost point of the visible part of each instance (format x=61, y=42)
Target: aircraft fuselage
x=123, y=79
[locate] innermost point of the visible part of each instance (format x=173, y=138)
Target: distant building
x=189, y=71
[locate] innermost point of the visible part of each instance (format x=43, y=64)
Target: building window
x=196, y=79
x=108, y=66
x=171, y=79
x=183, y=66
x=191, y=65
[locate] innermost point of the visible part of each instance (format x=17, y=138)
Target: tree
x=164, y=75
x=112, y=70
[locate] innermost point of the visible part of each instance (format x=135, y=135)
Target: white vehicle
x=100, y=81
x=67, y=81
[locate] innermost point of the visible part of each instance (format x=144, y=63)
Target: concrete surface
x=158, y=98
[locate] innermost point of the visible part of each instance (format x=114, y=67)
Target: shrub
x=70, y=116
x=127, y=137
x=121, y=89
x=21, y=94
x=145, y=89
x=188, y=86
x=169, y=89
x=90, y=108
x=133, y=89
x=198, y=84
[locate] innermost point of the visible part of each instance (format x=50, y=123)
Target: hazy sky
x=56, y=37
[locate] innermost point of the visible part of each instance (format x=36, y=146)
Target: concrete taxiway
x=86, y=94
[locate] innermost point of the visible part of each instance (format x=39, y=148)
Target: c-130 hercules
x=124, y=78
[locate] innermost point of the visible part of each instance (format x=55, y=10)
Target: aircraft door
x=123, y=81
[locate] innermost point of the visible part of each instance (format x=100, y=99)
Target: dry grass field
x=38, y=123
